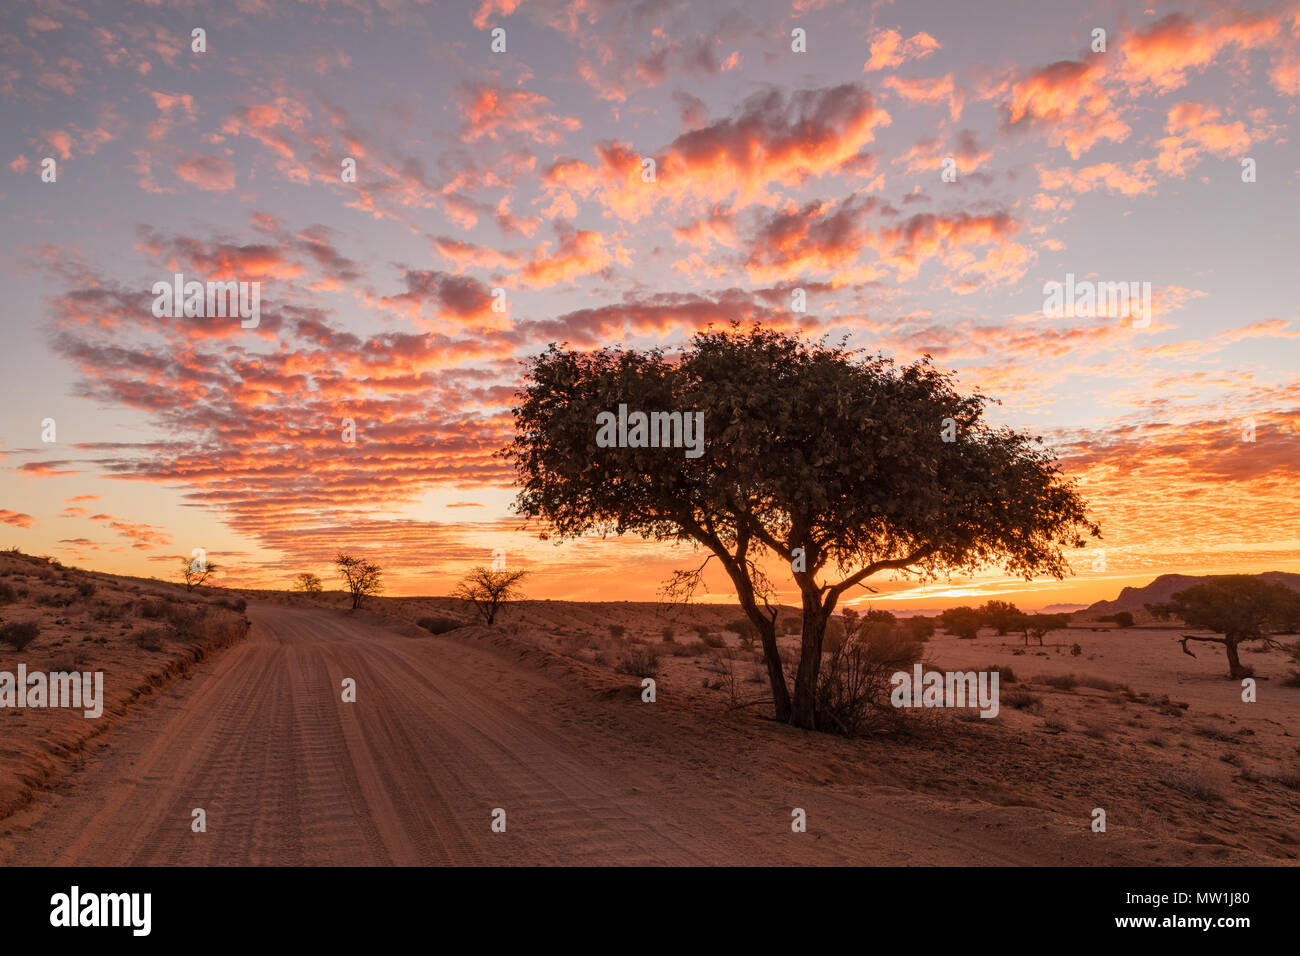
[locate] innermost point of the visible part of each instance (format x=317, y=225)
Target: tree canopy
x=831, y=459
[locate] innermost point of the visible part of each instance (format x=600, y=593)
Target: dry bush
x=1193, y=784
x=1099, y=683
x=854, y=686
x=7, y=594
x=1005, y=674
x=1061, y=681
x=1020, y=700
x=639, y=661
x=439, y=625
x=152, y=638
x=667, y=633
x=19, y=634
x=1292, y=680
x=617, y=631
x=187, y=620
x=1096, y=729
x=152, y=609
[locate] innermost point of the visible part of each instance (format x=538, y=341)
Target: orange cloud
x=890, y=50
x=16, y=518
x=1070, y=101
x=1192, y=130
x=1161, y=55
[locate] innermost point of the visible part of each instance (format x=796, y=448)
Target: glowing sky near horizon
x=521, y=170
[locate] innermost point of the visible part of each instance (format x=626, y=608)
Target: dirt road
x=444, y=731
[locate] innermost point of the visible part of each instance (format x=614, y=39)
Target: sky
x=921, y=171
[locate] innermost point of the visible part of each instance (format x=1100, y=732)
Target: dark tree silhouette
x=488, y=590
x=1241, y=607
x=307, y=582
x=1002, y=616
x=831, y=460
x=1038, y=625
x=963, y=622
x=196, y=571
x=361, y=576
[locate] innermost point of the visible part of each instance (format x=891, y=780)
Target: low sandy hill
x=139, y=633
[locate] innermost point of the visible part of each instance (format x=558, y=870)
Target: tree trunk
x=775, y=672
x=804, y=709
x=767, y=632
x=1235, y=670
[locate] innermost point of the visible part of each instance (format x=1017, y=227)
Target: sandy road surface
x=445, y=730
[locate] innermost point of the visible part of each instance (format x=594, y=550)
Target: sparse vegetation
x=18, y=634
x=1061, y=681
x=307, y=583
x=853, y=692
x=439, y=625
x=639, y=661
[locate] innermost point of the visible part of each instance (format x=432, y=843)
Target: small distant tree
x=918, y=628
x=1002, y=616
x=1241, y=607
x=488, y=590
x=196, y=571
x=1039, y=625
x=1124, y=619
x=1161, y=612
x=744, y=628
x=964, y=622
x=307, y=582
x=361, y=576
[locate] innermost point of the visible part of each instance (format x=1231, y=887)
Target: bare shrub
x=639, y=661
x=1099, y=683
x=1062, y=681
x=854, y=685
x=1005, y=674
x=153, y=609
x=667, y=633
x=439, y=625
x=152, y=638
x=1193, y=784
x=1019, y=699
x=19, y=634
x=187, y=620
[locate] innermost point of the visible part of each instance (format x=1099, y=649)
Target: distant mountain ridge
x=1163, y=588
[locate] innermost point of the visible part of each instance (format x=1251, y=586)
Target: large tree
x=842, y=464
x=1241, y=607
